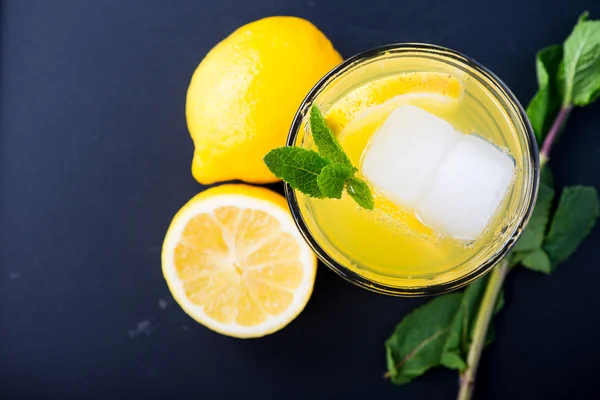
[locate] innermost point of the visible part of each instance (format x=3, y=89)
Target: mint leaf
x=515, y=257
x=453, y=359
x=459, y=337
x=325, y=140
x=439, y=333
x=332, y=179
x=538, y=110
x=533, y=236
x=360, y=192
x=581, y=75
x=547, y=62
x=298, y=167
x=547, y=177
x=546, y=101
x=417, y=342
x=461, y=331
x=538, y=261
x=575, y=217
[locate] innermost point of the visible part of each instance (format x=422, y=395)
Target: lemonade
x=391, y=249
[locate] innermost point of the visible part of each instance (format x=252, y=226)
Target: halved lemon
x=235, y=261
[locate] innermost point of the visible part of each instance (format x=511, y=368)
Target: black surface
x=94, y=162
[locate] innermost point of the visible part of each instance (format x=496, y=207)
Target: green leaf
x=333, y=178
x=417, y=342
x=325, y=140
x=298, y=167
x=461, y=331
x=547, y=62
x=360, y=192
x=547, y=100
x=581, y=75
x=538, y=110
x=438, y=333
x=459, y=337
x=533, y=236
x=514, y=258
x=575, y=217
x=538, y=261
x=547, y=177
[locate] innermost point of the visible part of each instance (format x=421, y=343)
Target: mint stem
x=559, y=122
x=484, y=316
x=494, y=284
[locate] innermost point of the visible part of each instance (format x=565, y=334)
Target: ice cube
x=404, y=153
x=467, y=188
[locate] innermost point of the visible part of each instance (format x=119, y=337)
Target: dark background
x=95, y=160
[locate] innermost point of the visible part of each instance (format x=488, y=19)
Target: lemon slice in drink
x=428, y=86
x=358, y=115
x=235, y=261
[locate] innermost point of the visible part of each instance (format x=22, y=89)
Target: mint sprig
x=299, y=167
x=452, y=330
x=323, y=174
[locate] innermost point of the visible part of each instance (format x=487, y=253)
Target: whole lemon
x=245, y=92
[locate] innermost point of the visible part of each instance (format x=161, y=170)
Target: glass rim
x=439, y=288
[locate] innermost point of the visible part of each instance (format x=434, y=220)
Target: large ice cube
x=405, y=152
x=467, y=188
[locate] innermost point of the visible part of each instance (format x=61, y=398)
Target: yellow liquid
x=389, y=242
